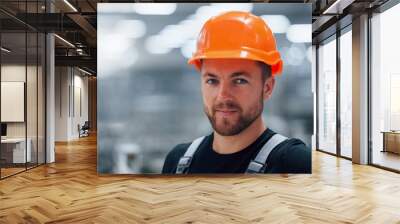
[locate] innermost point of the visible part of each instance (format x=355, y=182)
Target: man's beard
x=229, y=127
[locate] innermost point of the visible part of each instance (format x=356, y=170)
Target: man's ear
x=269, y=87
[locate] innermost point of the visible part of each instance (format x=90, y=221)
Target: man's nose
x=225, y=91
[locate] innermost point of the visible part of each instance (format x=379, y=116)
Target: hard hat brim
x=271, y=58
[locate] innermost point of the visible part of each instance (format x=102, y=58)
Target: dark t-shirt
x=291, y=156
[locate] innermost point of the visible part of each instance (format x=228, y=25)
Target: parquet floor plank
x=71, y=191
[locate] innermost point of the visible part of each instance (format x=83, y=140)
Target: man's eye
x=240, y=81
x=211, y=81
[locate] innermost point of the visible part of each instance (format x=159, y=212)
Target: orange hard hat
x=237, y=34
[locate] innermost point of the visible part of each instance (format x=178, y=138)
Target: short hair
x=265, y=70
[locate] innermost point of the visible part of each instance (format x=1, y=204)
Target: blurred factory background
x=149, y=99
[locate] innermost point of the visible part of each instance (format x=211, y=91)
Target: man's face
x=233, y=93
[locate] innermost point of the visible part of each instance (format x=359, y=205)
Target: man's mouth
x=226, y=112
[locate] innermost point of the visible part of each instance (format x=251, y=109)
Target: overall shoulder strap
x=259, y=164
x=186, y=159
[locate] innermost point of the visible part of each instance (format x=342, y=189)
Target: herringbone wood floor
x=70, y=191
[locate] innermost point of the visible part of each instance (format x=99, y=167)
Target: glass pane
x=386, y=89
x=13, y=87
x=327, y=96
x=31, y=100
x=346, y=93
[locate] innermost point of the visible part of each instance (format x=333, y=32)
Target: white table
x=19, y=149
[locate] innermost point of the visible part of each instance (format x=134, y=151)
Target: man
x=237, y=59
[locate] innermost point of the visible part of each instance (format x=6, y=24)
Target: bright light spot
x=129, y=58
x=155, y=8
x=309, y=54
x=188, y=48
x=233, y=6
x=71, y=6
x=174, y=36
x=296, y=54
x=131, y=28
x=116, y=52
x=155, y=45
x=204, y=13
x=115, y=8
x=277, y=23
x=114, y=45
x=191, y=27
x=299, y=33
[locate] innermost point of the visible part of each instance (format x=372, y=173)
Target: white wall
x=70, y=83
x=17, y=73
x=62, y=81
x=12, y=101
x=81, y=84
x=33, y=126
x=12, y=73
